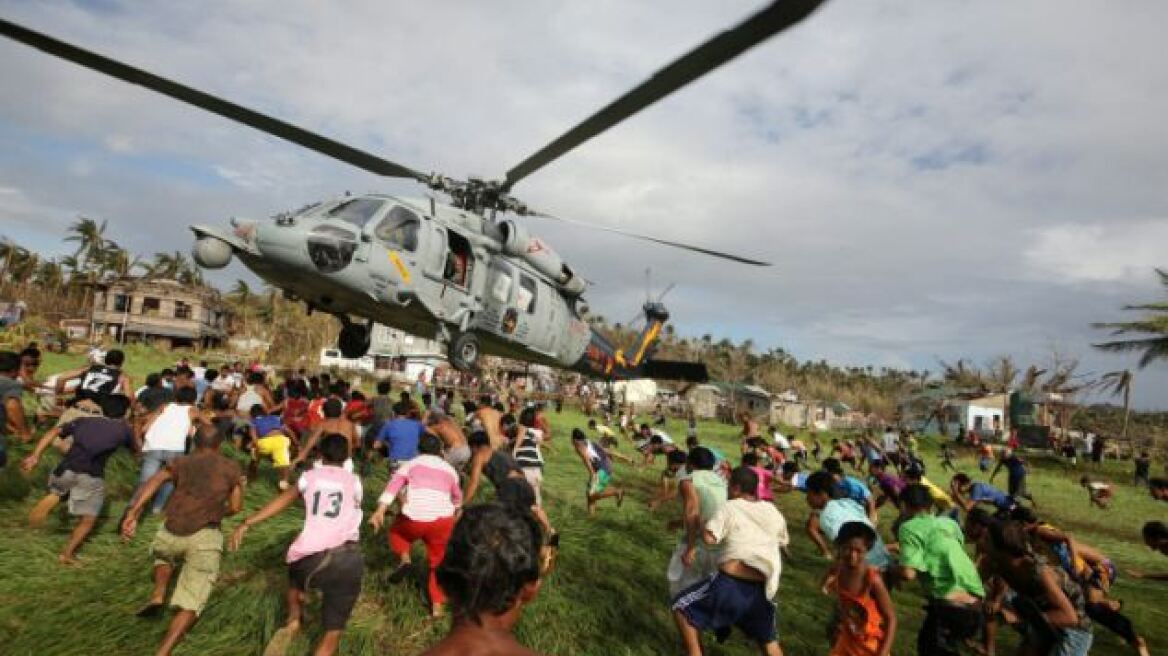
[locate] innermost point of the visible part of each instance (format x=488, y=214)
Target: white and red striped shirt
x=433, y=489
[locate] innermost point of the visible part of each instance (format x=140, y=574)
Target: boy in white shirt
x=751, y=534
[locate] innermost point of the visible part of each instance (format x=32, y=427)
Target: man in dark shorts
x=490, y=573
x=80, y=475
x=511, y=487
x=207, y=488
x=327, y=554
x=750, y=534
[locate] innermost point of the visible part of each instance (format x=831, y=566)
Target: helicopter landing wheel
x=353, y=341
x=464, y=352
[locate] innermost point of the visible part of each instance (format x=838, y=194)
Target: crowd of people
x=314, y=440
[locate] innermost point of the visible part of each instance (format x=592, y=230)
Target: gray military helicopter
x=460, y=272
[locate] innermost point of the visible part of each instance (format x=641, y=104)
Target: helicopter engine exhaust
x=211, y=253
x=534, y=251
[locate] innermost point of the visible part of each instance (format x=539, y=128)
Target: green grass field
x=607, y=596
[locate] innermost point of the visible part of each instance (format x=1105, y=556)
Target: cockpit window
x=357, y=211
x=399, y=229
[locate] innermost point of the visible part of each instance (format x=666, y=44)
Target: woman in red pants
x=432, y=499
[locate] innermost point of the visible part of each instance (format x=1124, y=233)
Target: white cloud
x=1099, y=252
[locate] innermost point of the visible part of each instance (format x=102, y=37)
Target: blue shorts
x=722, y=601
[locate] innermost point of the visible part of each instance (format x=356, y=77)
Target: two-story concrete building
x=159, y=310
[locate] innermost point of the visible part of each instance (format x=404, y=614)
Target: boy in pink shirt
x=432, y=499
x=765, y=476
x=326, y=554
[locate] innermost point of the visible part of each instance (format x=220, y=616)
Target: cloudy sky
x=936, y=179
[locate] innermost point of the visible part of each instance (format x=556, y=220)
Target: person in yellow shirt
x=607, y=438
x=942, y=502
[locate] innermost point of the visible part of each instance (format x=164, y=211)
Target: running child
x=432, y=498
x=985, y=458
x=765, y=476
x=605, y=435
x=947, y=458
x=867, y=624
x=667, y=490
x=326, y=555
x=598, y=462
x=1099, y=493
x=1143, y=469
x=526, y=451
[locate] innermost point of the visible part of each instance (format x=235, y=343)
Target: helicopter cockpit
x=332, y=246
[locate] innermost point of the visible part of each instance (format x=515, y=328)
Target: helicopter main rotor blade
x=225, y=108
x=658, y=240
x=727, y=45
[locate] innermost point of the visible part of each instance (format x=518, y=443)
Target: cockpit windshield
x=399, y=229
x=357, y=211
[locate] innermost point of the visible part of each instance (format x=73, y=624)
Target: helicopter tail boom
x=602, y=360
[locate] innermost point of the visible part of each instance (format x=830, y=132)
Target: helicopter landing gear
x=463, y=352
x=353, y=341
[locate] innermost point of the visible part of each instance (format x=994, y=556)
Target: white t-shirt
x=891, y=441
x=781, y=442
x=752, y=532
x=170, y=430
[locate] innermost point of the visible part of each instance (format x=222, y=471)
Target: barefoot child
x=867, y=624
x=326, y=555
x=598, y=462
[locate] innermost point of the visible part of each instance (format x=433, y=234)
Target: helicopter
x=465, y=272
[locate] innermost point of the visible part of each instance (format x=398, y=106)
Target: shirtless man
x=490, y=419
x=457, y=453
x=749, y=427
x=334, y=421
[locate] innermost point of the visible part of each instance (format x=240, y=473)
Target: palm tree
x=22, y=265
x=90, y=238
x=241, y=296
x=1153, y=326
x=1119, y=383
x=8, y=250
x=49, y=276
x=1000, y=373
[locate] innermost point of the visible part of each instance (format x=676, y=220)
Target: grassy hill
x=607, y=596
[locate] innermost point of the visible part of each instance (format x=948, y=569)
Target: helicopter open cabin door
x=449, y=265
